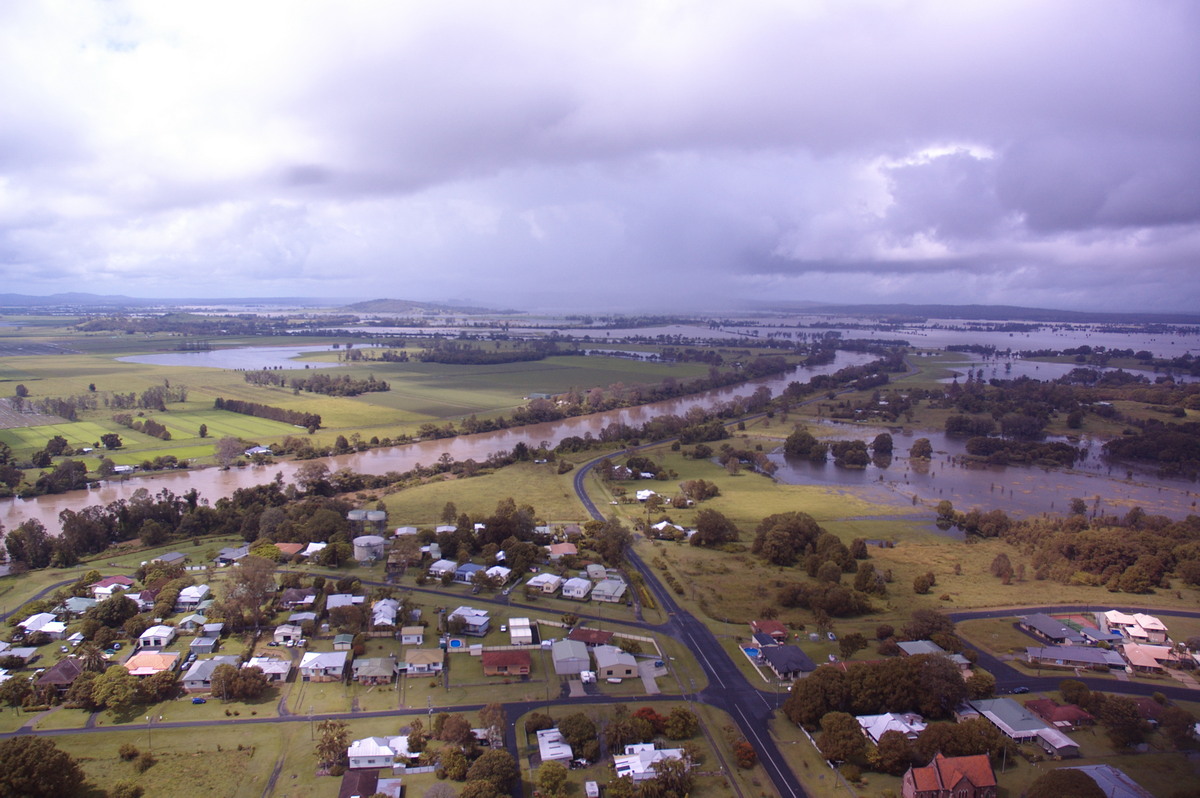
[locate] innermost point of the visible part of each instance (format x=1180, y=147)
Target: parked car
x=1022, y=690
x=503, y=627
x=116, y=646
x=199, y=700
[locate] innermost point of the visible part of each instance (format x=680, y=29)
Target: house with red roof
x=773, y=628
x=109, y=585
x=591, y=637
x=506, y=663
x=951, y=777
x=1066, y=717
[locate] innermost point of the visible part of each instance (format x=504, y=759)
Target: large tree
x=496, y=766
x=115, y=689
x=333, y=737
x=713, y=529
x=1064, y=783
x=34, y=767
x=841, y=737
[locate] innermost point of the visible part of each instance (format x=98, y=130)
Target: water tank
x=368, y=547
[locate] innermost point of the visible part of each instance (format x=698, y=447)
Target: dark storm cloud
x=635, y=154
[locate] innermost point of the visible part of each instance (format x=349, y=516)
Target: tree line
x=310, y=421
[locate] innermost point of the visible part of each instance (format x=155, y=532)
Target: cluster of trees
x=310, y=421
x=1134, y=553
x=1003, y=451
x=931, y=685
x=147, y=426
x=1122, y=722
x=339, y=385
x=1174, y=448
x=156, y=397
x=467, y=354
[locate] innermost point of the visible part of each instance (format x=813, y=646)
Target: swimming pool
x=456, y=643
x=752, y=653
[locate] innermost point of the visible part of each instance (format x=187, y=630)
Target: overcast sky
x=605, y=155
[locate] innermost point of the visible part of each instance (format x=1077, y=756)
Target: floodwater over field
x=242, y=358
x=1018, y=490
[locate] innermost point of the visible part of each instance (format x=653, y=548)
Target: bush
x=125, y=789
x=128, y=752
x=144, y=762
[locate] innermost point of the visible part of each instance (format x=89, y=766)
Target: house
x=763, y=640
x=552, y=747
x=591, y=637
x=910, y=724
x=343, y=642
x=323, y=666
x=506, y=663
x=275, y=669
x=190, y=597
x=465, y=573
x=914, y=648
x=547, y=583
x=412, y=635
x=1114, y=782
x=359, y=783
x=313, y=549
x=442, y=567
x=475, y=622
x=60, y=676
x=1019, y=724
x=788, y=662
x=1068, y=717
x=198, y=678
x=253, y=450
x=644, y=495
x=403, y=531
x=293, y=597
x=421, y=661
x=1051, y=630
x=1138, y=627
x=75, y=605
x=770, y=627
x=300, y=618
x=289, y=551
x=384, y=611
x=951, y=777
x=379, y=752
x=230, y=555
x=499, y=575
x=35, y=622
x=204, y=645
x=570, y=657
x=110, y=585
x=145, y=598
x=1148, y=709
x=212, y=630
x=287, y=633
x=191, y=623
x=171, y=558
x=576, y=588
x=1150, y=659
x=609, y=590
x=595, y=572
x=520, y=632
x=157, y=637
x=343, y=600
x=613, y=663
x=560, y=550
x=1075, y=657
x=638, y=761
x=148, y=663
x=373, y=670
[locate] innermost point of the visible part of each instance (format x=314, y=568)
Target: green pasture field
x=536, y=484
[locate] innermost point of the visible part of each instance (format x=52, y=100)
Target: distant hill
x=104, y=301
x=991, y=313
x=412, y=306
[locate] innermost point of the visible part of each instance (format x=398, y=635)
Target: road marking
x=696, y=649
x=783, y=780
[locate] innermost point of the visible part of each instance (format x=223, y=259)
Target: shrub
x=144, y=762
x=128, y=752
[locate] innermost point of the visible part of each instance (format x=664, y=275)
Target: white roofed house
x=157, y=637
x=609, y=590
x=475, y=622
x=383, y=612
x=547, y=583
x=109, y=585
x=576, y=588
x=287, y=632
x=373, y=670
x=613, y=663
x=520, y=631
x=274, y=668
x=439, y=569
x=343, y=600
x=190, y=597
x=552, y=747
x=37, y=622
x=378, y=752
x=323, y=666
x=638, y=761
x=499, y=574
x=909, y=724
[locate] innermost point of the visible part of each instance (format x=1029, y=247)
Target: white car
x=503, y=628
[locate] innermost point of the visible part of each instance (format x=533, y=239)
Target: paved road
x=727, y=689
